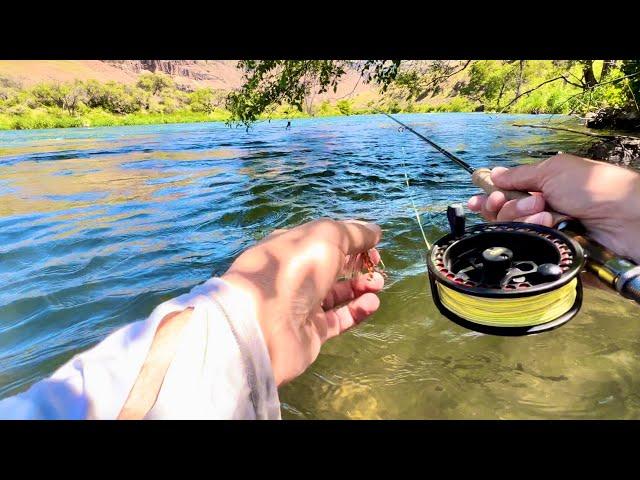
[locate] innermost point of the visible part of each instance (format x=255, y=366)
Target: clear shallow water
x=98, y=226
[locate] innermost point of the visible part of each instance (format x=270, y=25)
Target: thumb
x=525, y=178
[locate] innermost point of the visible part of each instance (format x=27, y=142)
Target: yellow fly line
x=510, y=312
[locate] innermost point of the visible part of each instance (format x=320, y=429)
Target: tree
x=277, y=82
x=205, y=100
x=67, y=97
x=422, y=79
x=589, y=77
x=116, y=98
x=589, y=87
x=631, y=68
x=607, y=66
x=154, y=82
x=497, y=84
x=73, y=96
x=344, y=106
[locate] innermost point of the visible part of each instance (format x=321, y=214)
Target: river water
x=98, y=226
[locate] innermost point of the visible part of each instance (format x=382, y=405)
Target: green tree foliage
x=206, y=100
x=69, y=97
x=49, y=105
x=419, y=80
x=276, y=82
x=344, y=106
x=632, y=68
x=155, y=83
x=540, y=86
x=288, y=89
x=115, y=97
x=9, y=91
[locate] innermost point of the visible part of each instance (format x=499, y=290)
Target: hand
x=605, y=198
x=292, y=277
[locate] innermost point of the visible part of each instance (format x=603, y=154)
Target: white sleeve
x=221, y=369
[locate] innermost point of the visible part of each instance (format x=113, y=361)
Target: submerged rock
x=614, y=118
x=619, y=150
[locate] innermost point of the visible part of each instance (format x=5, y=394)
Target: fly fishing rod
x=514, y=278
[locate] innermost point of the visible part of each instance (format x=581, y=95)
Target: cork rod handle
x=482, y=178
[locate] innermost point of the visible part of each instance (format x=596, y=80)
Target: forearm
x=196, y=356
x=633, y=207
x=616, y=211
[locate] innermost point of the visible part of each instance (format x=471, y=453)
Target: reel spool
x=505, y=278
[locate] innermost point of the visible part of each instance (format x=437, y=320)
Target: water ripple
x=98, y=226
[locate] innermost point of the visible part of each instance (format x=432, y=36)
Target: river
x=99, y=225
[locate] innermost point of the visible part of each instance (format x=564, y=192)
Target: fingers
x=374, y=256
x=346, y=290
x=522, y=208
x=357, y=236
x=525, y=178
x=495, y=208
x=350, y=236
x=542, y=218
x=487, y=206
x=494, y=203
x=476, y=202
x=351, y=314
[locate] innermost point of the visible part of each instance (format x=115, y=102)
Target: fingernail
x=497, y=171
x=525, y=205
x=473, y=202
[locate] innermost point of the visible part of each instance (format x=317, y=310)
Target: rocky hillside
x=221, y=74
x=218, y=74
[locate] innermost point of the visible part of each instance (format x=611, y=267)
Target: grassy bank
x=56, y=118
x=36, y=119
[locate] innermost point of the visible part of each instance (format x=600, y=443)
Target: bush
x=116, y=98
x=457, y=104
x=394, y=107
x=205, y=100
x=155, y=83
x=68, y=97
x=344, y=107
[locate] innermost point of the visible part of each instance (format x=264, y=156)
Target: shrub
x=68, y=97
x=205, y=100
x=155, y=82
x=116, y=98
x=344, y=106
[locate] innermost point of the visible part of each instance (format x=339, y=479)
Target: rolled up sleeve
x=221, y=368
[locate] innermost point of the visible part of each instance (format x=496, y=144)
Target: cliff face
x=214, y=73
x=220, y=74
x=191, y=74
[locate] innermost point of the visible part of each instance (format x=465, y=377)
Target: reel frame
x=570, y=257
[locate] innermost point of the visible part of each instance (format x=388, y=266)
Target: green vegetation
x=154, y=99
x=515, y=86
x=286, y=88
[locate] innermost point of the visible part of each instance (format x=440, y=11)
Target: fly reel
x=506, y=278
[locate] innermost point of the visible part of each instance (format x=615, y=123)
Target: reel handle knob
x=455, y=215
x=496, y=261
x=481, y=177
x=550, y=271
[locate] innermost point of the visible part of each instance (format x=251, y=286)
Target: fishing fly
x=514, y=278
